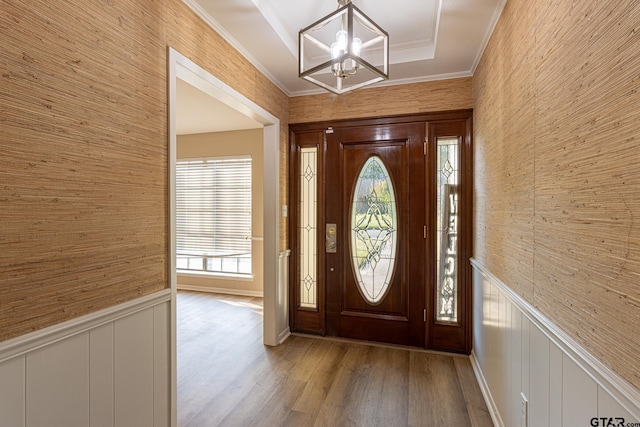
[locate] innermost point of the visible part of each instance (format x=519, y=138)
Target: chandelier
x=343, y=51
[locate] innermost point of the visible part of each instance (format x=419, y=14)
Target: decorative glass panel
x=307, y=226
x=447, y=228
x=374, y=226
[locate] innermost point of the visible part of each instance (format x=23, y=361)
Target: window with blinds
x=213, y=215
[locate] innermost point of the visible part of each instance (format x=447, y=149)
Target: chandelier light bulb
x=341, y=39
x=335, y=50
x=356, y=46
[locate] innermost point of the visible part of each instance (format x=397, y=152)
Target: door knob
x=331, y=236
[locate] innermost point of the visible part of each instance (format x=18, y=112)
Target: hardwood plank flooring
x=227, y=377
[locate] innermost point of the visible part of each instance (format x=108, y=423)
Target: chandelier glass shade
x=343, y=51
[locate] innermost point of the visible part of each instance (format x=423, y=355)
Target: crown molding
x=487, y=35
x=215, y=25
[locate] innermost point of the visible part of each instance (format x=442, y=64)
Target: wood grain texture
x=556, y=100
x=83, y=142
x=477, y=408
x=227, y=377
x=440, y=95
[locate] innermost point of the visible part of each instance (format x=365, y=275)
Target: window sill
x=217, y=275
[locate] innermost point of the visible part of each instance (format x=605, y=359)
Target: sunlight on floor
x=257, y=307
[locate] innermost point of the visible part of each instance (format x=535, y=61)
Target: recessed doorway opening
x=189, y=76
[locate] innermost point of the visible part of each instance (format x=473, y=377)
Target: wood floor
x=227, y=377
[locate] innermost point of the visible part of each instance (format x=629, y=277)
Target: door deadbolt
x=331, y=236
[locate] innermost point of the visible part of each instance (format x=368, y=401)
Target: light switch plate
x=524, y=410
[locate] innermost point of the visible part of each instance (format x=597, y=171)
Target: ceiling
x=428, y=39
x=198, y=112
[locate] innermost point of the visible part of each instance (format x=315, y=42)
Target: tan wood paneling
x=556, y=100
x=441, y=95
x=83, y=142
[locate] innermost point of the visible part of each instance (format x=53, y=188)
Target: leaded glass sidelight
x=307, y=226
x=373, y=230
x=447, y=228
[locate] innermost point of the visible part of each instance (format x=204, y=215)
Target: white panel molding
x=57, y=384
x=579, y=394
x=101, y=376
x=226, y=291
x=608, y=407
x=134, y=380
x=12, y=392
x=484, y=388
x=29, y=342
x=539, y=387
x=103, y=369
x=623, y=392
x=161, y=365
x=555, y=386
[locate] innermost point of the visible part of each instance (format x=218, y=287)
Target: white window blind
x=213, y=214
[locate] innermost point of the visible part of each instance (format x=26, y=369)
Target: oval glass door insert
x=373, y=230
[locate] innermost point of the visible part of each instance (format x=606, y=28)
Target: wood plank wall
x=83, y=149
x=557, y=153
x=441, y=95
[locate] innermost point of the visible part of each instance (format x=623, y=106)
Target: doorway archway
x=181, y=67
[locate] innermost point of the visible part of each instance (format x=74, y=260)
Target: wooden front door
x=380, y=229
x=375, y=270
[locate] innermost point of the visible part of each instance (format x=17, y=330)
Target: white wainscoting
x=518, y=350
x=109, y=368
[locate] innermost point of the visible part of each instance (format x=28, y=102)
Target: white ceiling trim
x=278, y=27
x=436, y=26
x=384, y=83
x=399, y=53
x=418, y=50
x=198, y=10
x=411, y=51
x=487, y=35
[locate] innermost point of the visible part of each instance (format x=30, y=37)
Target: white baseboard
x=486, y=393
x=227, y=291
x=284, y=335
